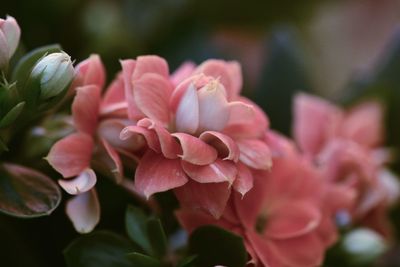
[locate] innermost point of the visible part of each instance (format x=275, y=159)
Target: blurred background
x=342, y=50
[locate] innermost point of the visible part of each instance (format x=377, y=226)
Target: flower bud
x=54, y=72
x=9, y=39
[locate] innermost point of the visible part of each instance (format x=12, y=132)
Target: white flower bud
x=9, y=39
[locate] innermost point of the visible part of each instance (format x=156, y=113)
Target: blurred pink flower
x=284, y=219
x=346, y=145
x=202, y=137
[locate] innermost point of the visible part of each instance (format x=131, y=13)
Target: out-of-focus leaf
x=143, y=260
x=12, y=115
x=27, y=193
x=157, y=238
x=99, y=249
x=188, y=262
x=3, y=146
x=283, y=75
x=135, y=223
x=216, y=246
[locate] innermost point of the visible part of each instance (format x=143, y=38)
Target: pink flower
x=72, y=155
x=202, y=137
x=284, y=218
x=346, y=145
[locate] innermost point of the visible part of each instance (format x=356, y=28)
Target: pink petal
x=244, y=179
x=241, y=113
x=138, y=133
x=113, y=101
x=85, y=108
x=292, y=219
x=151, y=64
x=235, y=73
x=187, y=113
x=155, y=173
x=216, y=172
x=80, y=184
x=128, y=68
x=84, y=211
x=210, y=197
x=117, y=169
x=169, y=146
x=315, y=122
x=183, y=72
x=91, y=72
x=71, y=155
x=214, y=110
x=262, y=249
x=12, y=33
x=194, y=150
x=151, y=93
x=255, y=154
x=225, y=146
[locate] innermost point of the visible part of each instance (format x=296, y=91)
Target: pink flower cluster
x=193, y=133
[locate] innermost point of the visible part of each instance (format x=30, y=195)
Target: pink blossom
x=202, y=137
x=346, y=145
x=285, y=218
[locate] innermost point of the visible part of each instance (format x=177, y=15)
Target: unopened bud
x=9, y=39
x=54, y=73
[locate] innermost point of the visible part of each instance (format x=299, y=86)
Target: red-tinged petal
x=211, y=197
x=315, y=122
x=244, y=179
x=155, y=173
x=91, y=72
x=128, y=68
x=150, y=64
x=226, y=147
x=117, y=169
x=84, y=211
x=292, y=219
x=364, y=124
x=241, y=113
x=255, y=154
x=85, y=108
x=216, y=172
x=113, y=101
x=194, y=150
x=187, y=113
x=84, y=182
x=182, y=73
x=138, y=133
x=327, y=231
x=71, y=155
x=151, y=93
x=261, y=250
x=169, y=146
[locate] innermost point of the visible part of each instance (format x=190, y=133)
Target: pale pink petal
x=214, y=110
x=150, y=64
x=216, y=172
x=195, y=150
x=136, y=135
x=364, y=124
x=12, y=33
x=187, y=114
x=71, y=155
x=155, y=173
x=91, y=72
x=244, y=179
x=84, y=182
x=84, y=211
x=117, y=169
x=241, y=113
x=183, y=72
x=86, y=108
x=292, y=219
x=226, y=147
x=128, y=68
x=211, y=197
x=169, y=146
x=113, y=101
x=151, y=94
x=255, y=154
x=315, y=122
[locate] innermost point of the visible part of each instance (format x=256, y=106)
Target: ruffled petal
x=71, y=155
x=151, y=64
x=194, y=150
x=155, y=173
x=226, y=146
x=86, y=108
x=84, y=211
x=138, y=133
x=90, y=72
x=183, y=72
x=244, y=179
x=216, y=172
x=128, y=68
x=255, y=154
x=80, y=184
x=114, y=101
x=187, y=114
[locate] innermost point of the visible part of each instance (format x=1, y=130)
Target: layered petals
x=194, y=150
x=216, y=172
x=80, y=184
x=255, y=154
x=85, y=108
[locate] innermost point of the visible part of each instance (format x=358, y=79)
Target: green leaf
x=135, y=223
x=142, y=260
x=12, y=115
x=27, y=193
x=157, y=238
x=188, y=262
x=99, y=249
x=216, y=246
